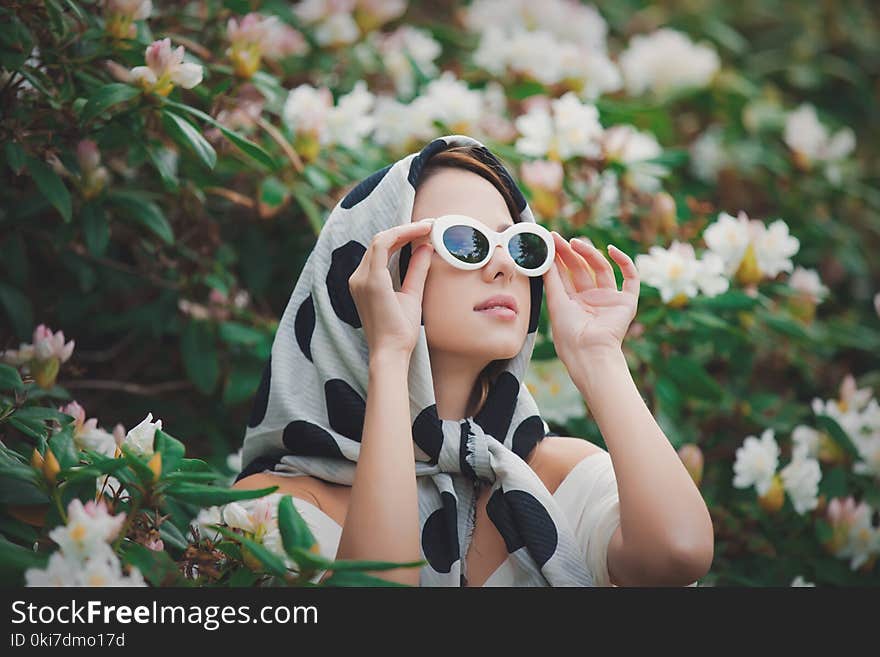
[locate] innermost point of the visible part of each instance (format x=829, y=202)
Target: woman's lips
x=499, y=312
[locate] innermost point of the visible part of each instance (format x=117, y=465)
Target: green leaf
x=15, y=560
x=50, y=185
x=214, y=495
x=187, y=135
x=157, y=567
x=14, y=156
x=172, y=535
x=273, y=192
x=96, y=229
x=272, y=562
x=106, y=97
x=172, y=450
x=199, y=351
x=35, y=413
x=33, y=429
x=691, y=378
x=63, y=448
x=9, y=378
x=295, y=533
x=249, y=148
x=19, y=310
x=301, y=194
x=236, y=333
x=144, y=212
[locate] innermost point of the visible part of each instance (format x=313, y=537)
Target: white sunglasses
x=466, y=243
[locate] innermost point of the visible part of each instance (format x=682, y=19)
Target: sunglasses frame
x=441, y=223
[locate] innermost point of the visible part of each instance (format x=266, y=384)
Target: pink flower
x=165, y=68
x=121, y=15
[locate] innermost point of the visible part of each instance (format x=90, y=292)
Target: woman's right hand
x=391, y=320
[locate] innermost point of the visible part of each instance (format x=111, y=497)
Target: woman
x=447, y=458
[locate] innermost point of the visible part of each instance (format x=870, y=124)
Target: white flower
x=807, y=282
x=338, y=29
x=708, y=156
x=774, y=248
x=807, y=439
x=869, y=453
x=800, y=581
x=398, y=125
x=626, y=144
x=677, y=273
x=804, y=134
x=102, y=569
x=800, y=478
x=211, y=515
x=863, y=539
x=667, y=60
x=454, y=103
x=728, y=238
x=350, y=122
x=571, y=128
x=89, y=527
x=567, y=21
x=550, y=384
x=412, y=41
x=306, y=108
x=140, y=438
x=756, y=462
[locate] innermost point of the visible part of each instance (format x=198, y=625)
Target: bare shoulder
x=556, y=456
x=302, y=487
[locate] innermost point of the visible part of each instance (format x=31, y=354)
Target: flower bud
x=692, y=457
x=155, y=464
x=774, y=498
x=37, y=460
x=51, y=467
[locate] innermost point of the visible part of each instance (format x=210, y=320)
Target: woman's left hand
x=588, y=313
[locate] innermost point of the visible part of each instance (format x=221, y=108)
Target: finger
x=392, y=239
x=598, y=263
x=417, y=271
x=581, y=273
x=631, y=282
x=564, y=276
x=555, y=287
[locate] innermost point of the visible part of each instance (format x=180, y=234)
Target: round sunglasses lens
x=466, y=244
x=528, y=250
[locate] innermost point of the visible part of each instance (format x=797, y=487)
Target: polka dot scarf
x=308, y=413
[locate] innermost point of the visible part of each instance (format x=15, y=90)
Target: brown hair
x=464, y=157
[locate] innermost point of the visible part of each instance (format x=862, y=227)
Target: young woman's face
x=452, y=326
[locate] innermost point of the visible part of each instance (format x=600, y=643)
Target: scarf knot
x=467, y=450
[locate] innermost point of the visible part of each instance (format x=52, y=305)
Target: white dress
x=587, y=495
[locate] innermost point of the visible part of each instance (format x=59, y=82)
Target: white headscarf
x=308, y=414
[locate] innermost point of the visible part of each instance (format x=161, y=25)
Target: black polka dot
x=364, y=188
x=440, y=535
x=304, y=326
x=536, y=289
x=528, y=434
x=266, y=462
x=306, y=439
x=343, y=262
x=497, y=412
x=523, y=521
x=261, y=398
x=345, y=409
x=418, y=163
x=427, y=432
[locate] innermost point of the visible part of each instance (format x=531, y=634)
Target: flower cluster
x=43, y=357
x=84, y=557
